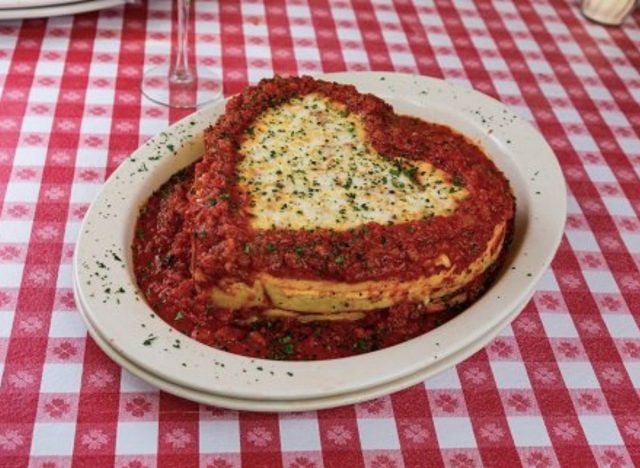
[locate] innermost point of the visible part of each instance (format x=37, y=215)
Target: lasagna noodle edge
x=331, y=297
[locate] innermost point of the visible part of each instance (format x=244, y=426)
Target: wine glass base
x=204, y=87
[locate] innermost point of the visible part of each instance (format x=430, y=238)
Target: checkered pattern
x=557, y=387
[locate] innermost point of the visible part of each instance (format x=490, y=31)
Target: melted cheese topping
x=308, y=164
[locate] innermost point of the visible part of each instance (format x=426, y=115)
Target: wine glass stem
x=182, y=72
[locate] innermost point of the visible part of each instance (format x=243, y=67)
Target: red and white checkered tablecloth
x=557, y=387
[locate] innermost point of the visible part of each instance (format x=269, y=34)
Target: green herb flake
x=363, y=344
x=179, y=316
x=348, y=183
x=149, y=340
x=168, y=260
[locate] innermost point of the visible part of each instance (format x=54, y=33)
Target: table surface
x=557, y=387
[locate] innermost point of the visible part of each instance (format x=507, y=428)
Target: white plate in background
x=15, y=4
x=48, y=8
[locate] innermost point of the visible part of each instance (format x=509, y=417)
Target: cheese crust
x=308, y=164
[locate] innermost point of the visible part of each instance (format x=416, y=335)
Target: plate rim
x=262, y=391
x=31, y=4
x=71, y=7
x=270, y=406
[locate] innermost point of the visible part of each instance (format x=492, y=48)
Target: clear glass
x=181, y=84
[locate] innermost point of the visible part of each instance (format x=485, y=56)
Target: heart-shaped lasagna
x=315, y=204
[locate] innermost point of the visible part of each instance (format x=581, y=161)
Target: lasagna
x=321, y=224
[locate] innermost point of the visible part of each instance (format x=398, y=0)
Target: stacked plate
x=22, y=9
x=126, y=328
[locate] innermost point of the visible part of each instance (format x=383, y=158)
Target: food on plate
x=320, y=224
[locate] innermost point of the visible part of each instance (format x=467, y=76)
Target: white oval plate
x=309, y=404
x=103, y=254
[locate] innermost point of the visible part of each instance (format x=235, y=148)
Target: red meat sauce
x=219, y=216
x=197, y=225
x=162, y=257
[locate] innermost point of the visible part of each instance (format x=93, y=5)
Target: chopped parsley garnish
x=270, y=247
x=348, y=183
x=168, y=260
x=396, y=183
x=363, y=344
x=411, y=172
x=149, y=340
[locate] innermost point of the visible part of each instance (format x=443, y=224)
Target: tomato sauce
x=224, y=245
x=198, y=222
x=162, y=256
